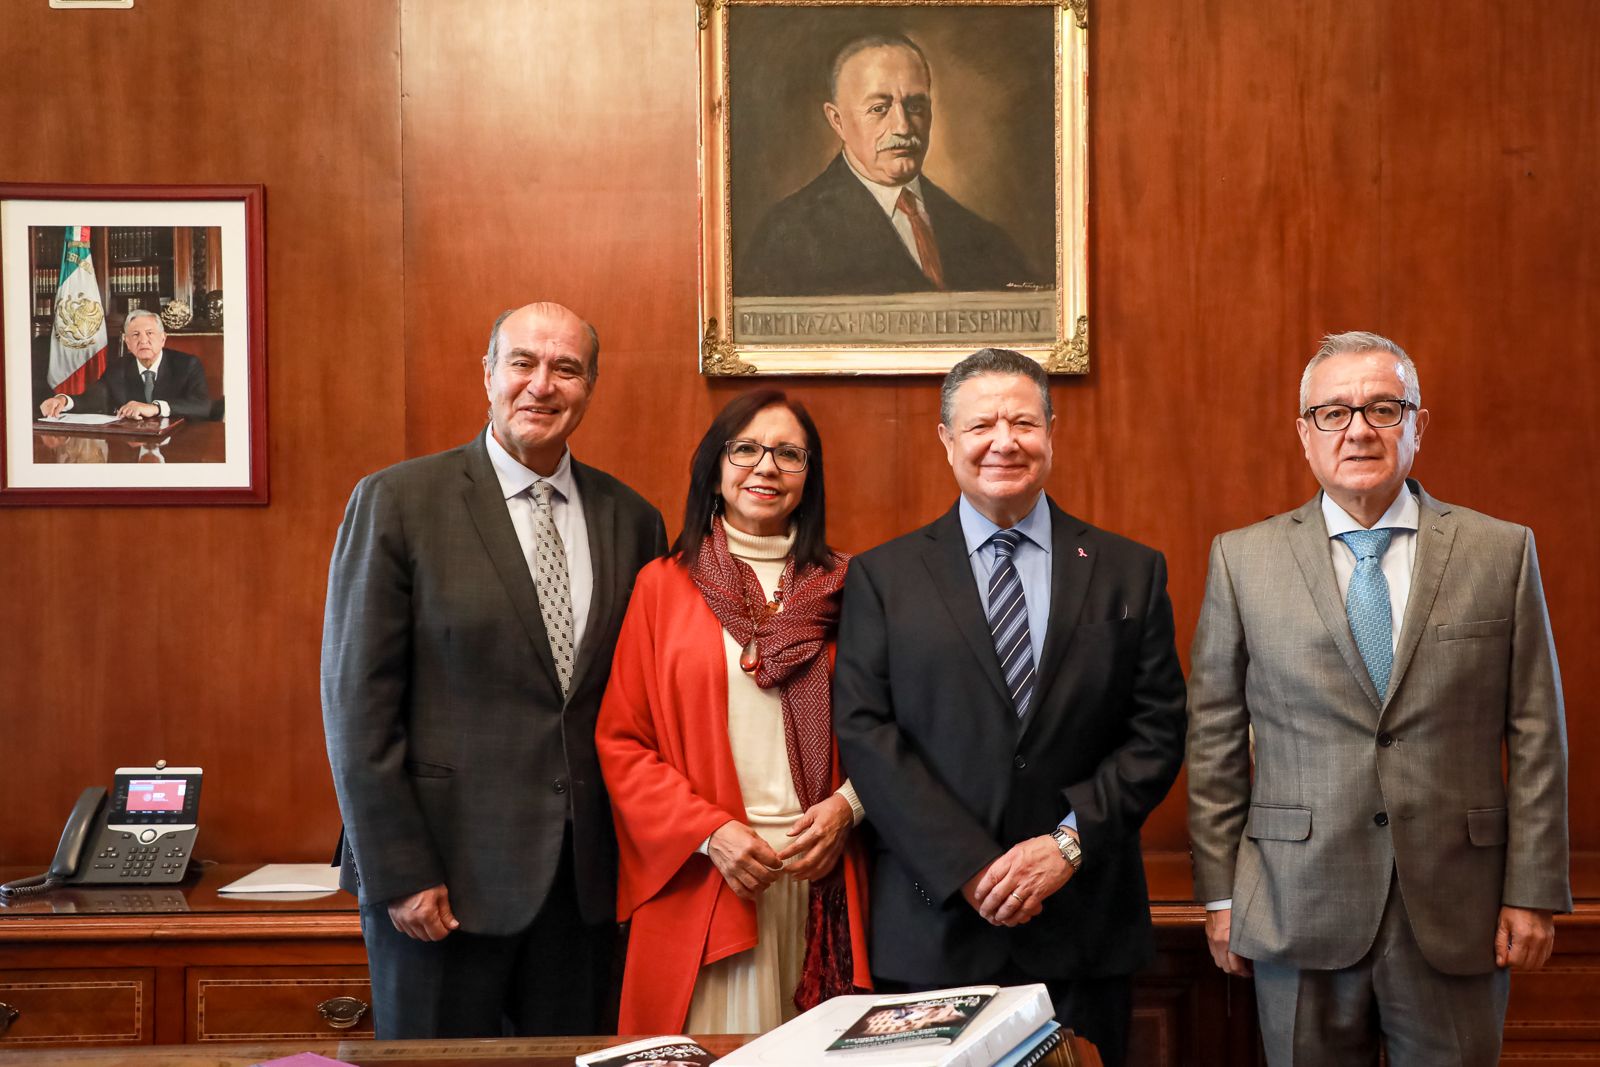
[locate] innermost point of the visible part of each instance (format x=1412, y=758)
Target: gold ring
x=1016, y=898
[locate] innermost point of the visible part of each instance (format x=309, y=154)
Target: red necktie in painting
x=927, y=250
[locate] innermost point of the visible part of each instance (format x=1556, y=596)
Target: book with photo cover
x=916, y=1019
x=1014, y=1014
x=677, y=1051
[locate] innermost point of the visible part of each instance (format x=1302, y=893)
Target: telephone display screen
x=155, y=799
x=155, y=794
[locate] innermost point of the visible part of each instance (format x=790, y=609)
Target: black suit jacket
x=950, y=778
x=180, y=381
x=454, y=756
x=832, y=238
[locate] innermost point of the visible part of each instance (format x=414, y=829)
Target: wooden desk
x=523, y=1052
x=208, y=970
x=171, y=965
x=191, y=441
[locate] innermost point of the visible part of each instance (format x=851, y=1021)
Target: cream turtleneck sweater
x=755, y=715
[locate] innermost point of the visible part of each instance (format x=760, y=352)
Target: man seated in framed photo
x=149, y=381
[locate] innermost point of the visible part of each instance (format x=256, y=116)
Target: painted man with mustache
x=871, y=223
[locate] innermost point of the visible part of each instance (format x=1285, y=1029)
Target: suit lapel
x=951, y=570
x=1436, y=535
x=487, y=505
x=1069, y=585
x=1308, y=537
x=600, y=515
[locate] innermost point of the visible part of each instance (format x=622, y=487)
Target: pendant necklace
x=750, y=655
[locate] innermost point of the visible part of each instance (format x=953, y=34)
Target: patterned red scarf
x=792, y=645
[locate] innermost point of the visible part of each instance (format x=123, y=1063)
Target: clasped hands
x=749, y=865
x=1012, y=889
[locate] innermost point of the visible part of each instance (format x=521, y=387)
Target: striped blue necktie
x=1367, y=604
x=1008, y=622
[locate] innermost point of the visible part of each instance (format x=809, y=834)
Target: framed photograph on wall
x=887, y=186
x=127, y=378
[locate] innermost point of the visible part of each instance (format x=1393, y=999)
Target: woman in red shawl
x=739, y=872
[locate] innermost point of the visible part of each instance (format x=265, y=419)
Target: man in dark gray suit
x=474, y=599
x=1377, y=751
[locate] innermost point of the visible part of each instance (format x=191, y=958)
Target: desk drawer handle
x=342, y=1013
x=8, y=1015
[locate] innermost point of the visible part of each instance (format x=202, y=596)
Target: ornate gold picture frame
x=818, y=117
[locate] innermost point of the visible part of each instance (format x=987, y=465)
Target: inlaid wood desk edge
x=525, y=1052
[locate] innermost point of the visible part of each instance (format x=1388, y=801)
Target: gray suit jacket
x=1349, y=787
x=454, y=756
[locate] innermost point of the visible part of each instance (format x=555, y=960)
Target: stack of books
x=971, y=1026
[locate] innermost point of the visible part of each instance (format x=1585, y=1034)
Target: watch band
x=1071, y=851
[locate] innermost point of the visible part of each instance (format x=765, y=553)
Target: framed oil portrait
x=887, y=186
x=127, y=377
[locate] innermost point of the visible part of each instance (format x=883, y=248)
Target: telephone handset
x=142, y=833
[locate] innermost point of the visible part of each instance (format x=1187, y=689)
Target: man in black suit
x=150, y=382
x=1010, y=708
x=871, y=223
x=474, y=599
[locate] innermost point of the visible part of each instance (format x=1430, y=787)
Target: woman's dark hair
x=705, y=481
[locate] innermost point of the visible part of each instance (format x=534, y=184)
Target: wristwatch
x=1068, y=846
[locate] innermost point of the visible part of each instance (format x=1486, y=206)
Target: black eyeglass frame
x=766, y=450
x=1405, y=405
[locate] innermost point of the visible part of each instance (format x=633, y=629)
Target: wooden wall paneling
x=551, y=155
x=191, y=633
x=1222, y=231
x=1490, y=139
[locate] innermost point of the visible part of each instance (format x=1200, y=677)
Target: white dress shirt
x=1401, y=517
x=566, y=507
x=888, y=198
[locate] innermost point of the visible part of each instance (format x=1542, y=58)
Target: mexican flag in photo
x=78, y=334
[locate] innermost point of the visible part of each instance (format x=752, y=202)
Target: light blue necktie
x=149, y=377
x=1367, y=604
x=1008, y=622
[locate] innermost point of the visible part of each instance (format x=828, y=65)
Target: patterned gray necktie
x=550, y=577
x=1008, y=622
x=1367, y=604
x=149, y=377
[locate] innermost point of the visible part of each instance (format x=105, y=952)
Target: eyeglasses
x=791, y=459
x=1380, y=414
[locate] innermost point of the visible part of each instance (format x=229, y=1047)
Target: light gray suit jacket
x=1349, y=786
x=454, y=756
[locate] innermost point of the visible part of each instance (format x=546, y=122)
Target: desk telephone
x=141, y=834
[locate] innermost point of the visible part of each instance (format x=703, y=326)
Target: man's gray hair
x=992, y=361
x=142, y=313
x=856, y=46
x=1356, y=341
x=493, y=355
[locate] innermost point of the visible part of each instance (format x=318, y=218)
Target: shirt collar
x=977, y=529
x=1403, y=514
x=515, y=478
x=155, y=365
x=887, y=196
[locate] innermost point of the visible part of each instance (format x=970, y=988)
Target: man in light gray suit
x=1380, y=870
x=474, y=600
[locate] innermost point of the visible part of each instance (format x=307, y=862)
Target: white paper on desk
x=70, y=419
x=287, y=878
